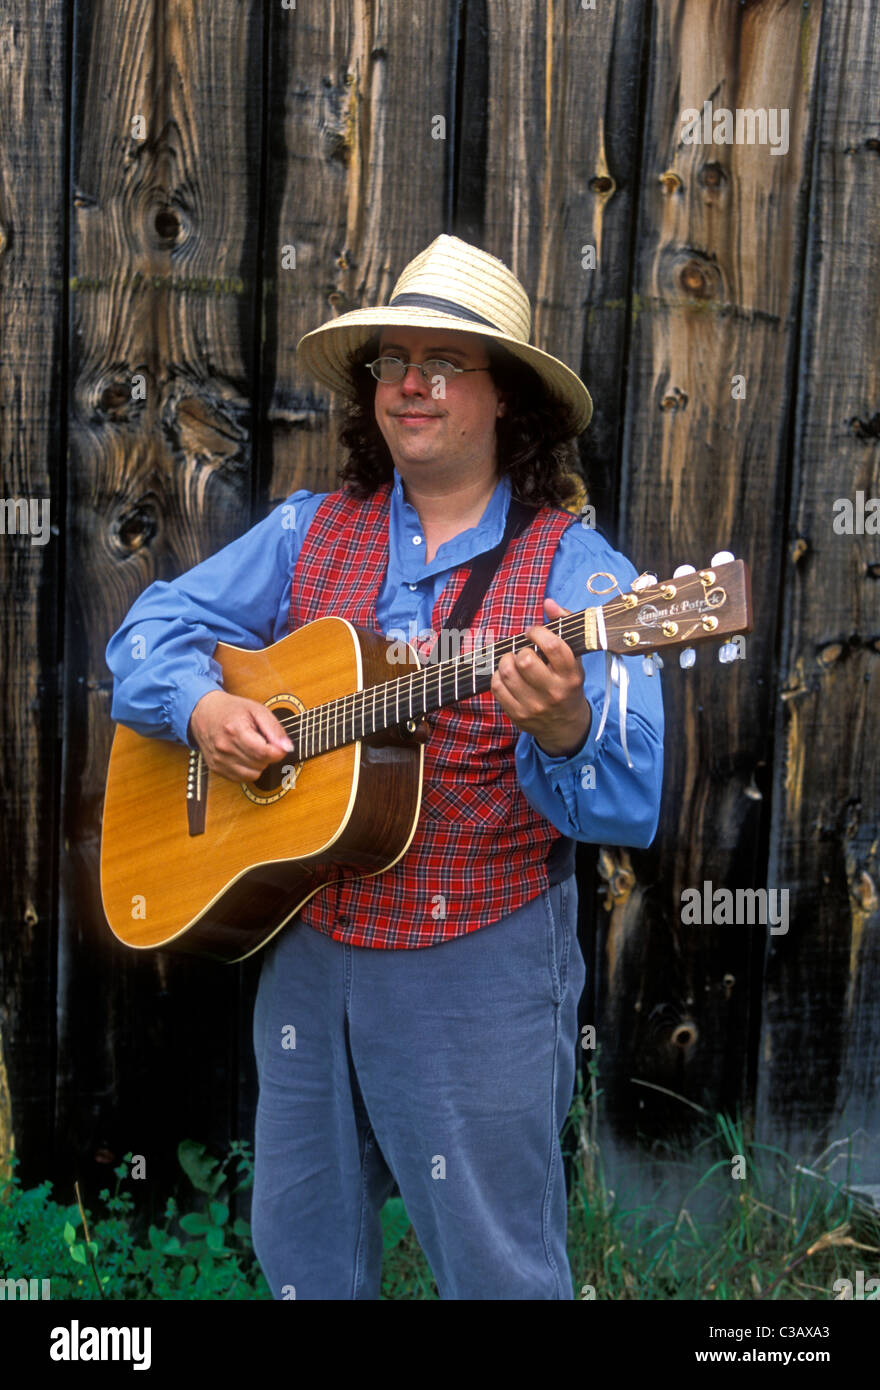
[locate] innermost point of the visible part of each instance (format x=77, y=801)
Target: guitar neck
x=439, y=683
x=693, y=606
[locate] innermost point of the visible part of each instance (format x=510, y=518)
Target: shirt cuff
x=549, y=760
x=186, y=698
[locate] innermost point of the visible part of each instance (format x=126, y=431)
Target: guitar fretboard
x=409, y=697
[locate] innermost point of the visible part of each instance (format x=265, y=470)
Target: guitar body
x=201, y=864
x=191, y=861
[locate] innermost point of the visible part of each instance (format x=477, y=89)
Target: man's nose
x=413, y=380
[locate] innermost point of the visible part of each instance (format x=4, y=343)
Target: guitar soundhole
x=270, y=779
x=279, y=778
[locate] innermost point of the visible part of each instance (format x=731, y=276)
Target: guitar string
x=310, y=723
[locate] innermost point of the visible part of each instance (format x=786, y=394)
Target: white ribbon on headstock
x=615, y=674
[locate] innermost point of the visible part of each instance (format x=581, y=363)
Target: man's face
x=450, y=435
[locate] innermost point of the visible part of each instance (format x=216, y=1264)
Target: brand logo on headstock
x=649, y=615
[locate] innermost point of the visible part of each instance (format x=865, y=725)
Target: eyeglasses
x=389, y=369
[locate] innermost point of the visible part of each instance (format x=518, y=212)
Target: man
x=435, y=1005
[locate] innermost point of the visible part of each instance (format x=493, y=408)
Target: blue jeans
x=449, y=1069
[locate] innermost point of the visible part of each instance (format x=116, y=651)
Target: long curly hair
x=535, y=446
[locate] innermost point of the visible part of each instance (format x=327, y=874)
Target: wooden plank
x=357, y=185
x=164, y=259
x=820, y=1040
x=33, y=62
x=560, y=176
x=717, y=271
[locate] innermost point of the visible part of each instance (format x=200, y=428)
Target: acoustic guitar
x=192, y=861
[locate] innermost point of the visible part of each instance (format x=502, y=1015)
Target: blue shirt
x=162, y=655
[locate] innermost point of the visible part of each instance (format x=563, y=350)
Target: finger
x=508, y=702
x=270, y=727
x=554, y=609
x=559, y=655
x=523, y=696
x=244, y=738
x=236, y=770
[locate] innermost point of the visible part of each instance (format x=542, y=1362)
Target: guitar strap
x=560, y=860
x=485, y=567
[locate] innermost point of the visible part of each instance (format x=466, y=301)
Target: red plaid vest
x=479, y=849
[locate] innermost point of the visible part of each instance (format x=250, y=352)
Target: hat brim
x=326, y=353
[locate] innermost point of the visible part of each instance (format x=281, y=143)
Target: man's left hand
x=545, y=700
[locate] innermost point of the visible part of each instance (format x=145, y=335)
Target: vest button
x=343, y=921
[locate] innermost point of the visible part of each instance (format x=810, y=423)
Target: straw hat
x=449, y=285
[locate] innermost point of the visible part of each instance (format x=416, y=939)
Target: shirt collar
x=405, y=526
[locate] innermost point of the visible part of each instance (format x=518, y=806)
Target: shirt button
x=417, y=540
x=412, y=586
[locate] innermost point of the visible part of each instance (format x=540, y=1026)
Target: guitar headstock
x=693, y=606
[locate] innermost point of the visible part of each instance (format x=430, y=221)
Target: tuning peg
x=644, y=581
x=722, y=557
x=687, y=658
x=683, y=569
x=651, y=664
x=729, y=651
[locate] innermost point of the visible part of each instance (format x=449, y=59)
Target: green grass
x=746, y=1221
x=723, y=1219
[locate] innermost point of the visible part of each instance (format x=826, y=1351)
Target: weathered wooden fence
x=186, y=189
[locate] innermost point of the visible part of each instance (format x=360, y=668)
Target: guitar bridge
x=196, y=792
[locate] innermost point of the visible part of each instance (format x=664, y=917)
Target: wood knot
x=865, y=893
x=712, y=175
x=167, y=224
x=602, y=183
x=675, y=399
x=799, y=550
x=135, y=528
x=684, y=1034
x=115, y=398
x=831, y=652
x=30, y=914
x=618, y=875
x=695, y=279
x=866, y=429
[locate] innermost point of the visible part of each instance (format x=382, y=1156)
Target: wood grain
x=32, y=424
x=356, y=185
x=820, y=1037
x=719, y=257
x=164, y=260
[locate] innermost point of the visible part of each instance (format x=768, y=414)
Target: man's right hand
x=238, y=737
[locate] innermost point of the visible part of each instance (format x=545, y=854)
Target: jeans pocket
x=558, y=903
